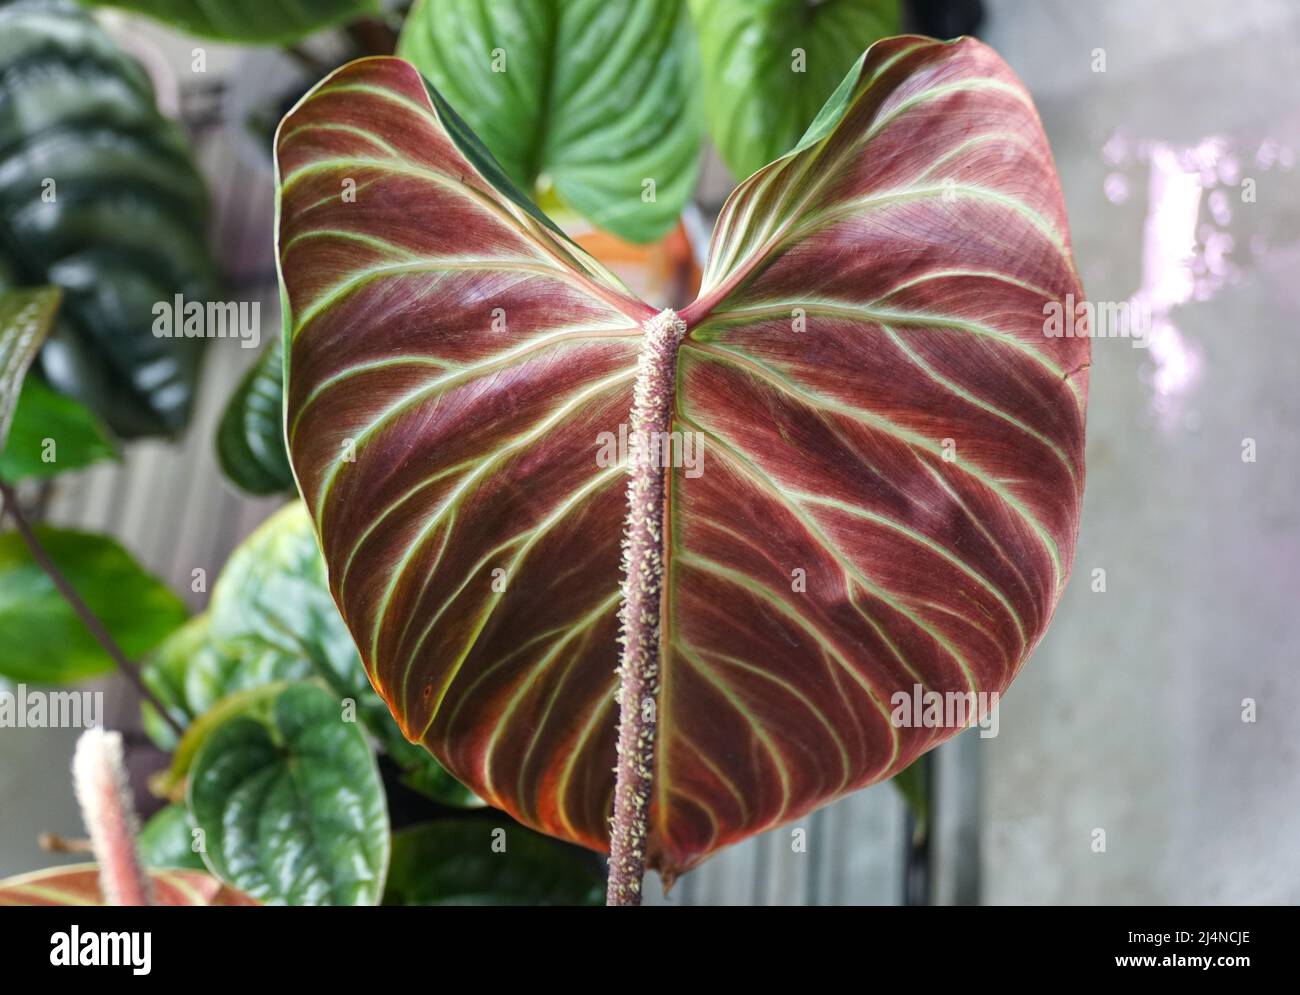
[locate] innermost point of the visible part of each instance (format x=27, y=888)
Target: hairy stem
x=643, y=569
x=99, y=777
x=93, y=625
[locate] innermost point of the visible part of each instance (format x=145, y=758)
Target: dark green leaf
x=593, y=96
x=254, y=702
x=461, y=862
x=250, y=436
x=769, y=66
x=255, y=21
x=42, y=638
x=43, y=417
x=292, y=808
x=99, y=195
x=167, y=840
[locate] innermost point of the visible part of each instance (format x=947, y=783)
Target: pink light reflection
x=1189, y=255
x=1168, y=277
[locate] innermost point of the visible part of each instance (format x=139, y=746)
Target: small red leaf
x=78, y=884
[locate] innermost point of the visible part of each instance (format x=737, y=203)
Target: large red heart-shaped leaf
x=893, y=449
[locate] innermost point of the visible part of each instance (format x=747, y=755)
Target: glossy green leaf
x=273, y=599
x=769, y=66
x=479, y=862
x=250, y=435
x=42, y=638
x=99, y=195
x=595, y=97
x=250, y=21
x=167, y=840
x=292, y=808
x=272, y=619
x=254, y=702
x=190, y=673
x=51, y=434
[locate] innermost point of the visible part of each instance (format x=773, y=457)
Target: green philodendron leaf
x=769, y=66
x=167, y=840
x=249, y=21
x=99, y=195
x=597, y=97
x=164, y=672
x=51, y=434
x=250, y=436
x=474, y=862
x=292, y=807
x=42, y=638
x=25, y=320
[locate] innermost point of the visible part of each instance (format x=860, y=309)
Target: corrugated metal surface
x=851, y=853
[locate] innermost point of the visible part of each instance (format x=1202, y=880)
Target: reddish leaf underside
x=78, y=884
x=873, y=303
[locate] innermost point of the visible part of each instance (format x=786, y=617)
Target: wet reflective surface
x=1179, y=170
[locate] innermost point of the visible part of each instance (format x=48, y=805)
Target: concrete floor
x=1129, y=717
